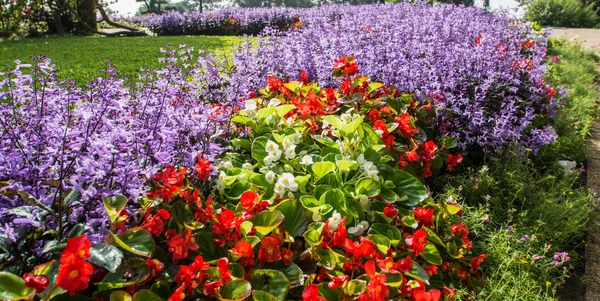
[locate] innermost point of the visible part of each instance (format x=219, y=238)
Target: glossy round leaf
x=120, y=296
x=368, y=186
x=431, y=254
x=236, y=290
x=137, y=241
x=297, y=218
x=388, y=231
x=411, y=186
x=106, y=256
x=146, y=295
x=320, y=169
x=270, y=281
x=12, y=287
x=266, y=221
x=113, y=206
x=263, y=296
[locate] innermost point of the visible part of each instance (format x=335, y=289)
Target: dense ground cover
x=266, y=174
x=82, y=58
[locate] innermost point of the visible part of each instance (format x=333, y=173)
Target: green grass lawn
x=81, y=58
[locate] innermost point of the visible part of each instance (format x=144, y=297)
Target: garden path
x=588, y=37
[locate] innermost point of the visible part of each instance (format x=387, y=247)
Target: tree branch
x=106, y=19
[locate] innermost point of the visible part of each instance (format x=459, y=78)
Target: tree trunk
x=87, y=12
x=60, y=29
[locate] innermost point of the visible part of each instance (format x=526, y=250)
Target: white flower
x=334, y=221
x=567, y=165
x=279, y=189
x=268, y=160
x=364, y=201
x=275, y=155
x=270, y=176
x=271, y=147
x=295, y=138
x=221, y=181
x=287, y=180
x=307, y=160
x=373, y=175
x=290, y=154
x=247, y=166
x=243, y=177
x=227, y=165
x=379, y=132
x=287, y=143
x=274, y=102
x=250, y=105
x=346, y=118
x=361, y=159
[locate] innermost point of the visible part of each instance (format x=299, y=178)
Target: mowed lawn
x=81, y=58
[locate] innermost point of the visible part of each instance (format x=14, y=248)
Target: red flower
x=528, y=44
x=169, y=182
x=390, y=211
x=245, y=251
x=476, y=261
x=286, y=256
x=551, y=91
x=311, y=293
x=428, y=150
x=155, y=225
x=402, y=164
x=405, y=265
x=416, y=243
x=431, y=270
x=446, y=266
x=210, y=288
x=364, y=248
x=389, y=141
x=179, y=246
x=432, y=295
x=304, y=77
x=37, y=282
x=412, y=156
x=223, y=266
x=269, y=250
x=388, y=265
x=340, y=235
x=424, y=216
x=203, y=168
x=404, y=125
x=178, y=294
x=346, y=65
x=154, y=267
x=460, y=228
x=226, y=221
x=381, y=126
x=479, y=39
x=73, y=274
x=454, y=160
x=250, y=202
x=376, y=290
x=374, y=115
x=77, y=248
x=273, y=83
x=461, y=274
x=338, y=281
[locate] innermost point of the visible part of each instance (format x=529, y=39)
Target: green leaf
x=50, y=269
x=236, y=290
x=335, y=121
x=12, y=287
x=132, y=272
x=355, y=287
x=292, y=272
x=265, y=112
x=244, y=120
x=409, y=221
x=297, y=218
x=263, y=296
x=270, y=281
x=259, y=152
x=369, y=187
x=326, y=258
x=146, y=295
x=452, y=209
x=411, y=186
x=393, y=280
x=266, y=221
x=284, y=109
x=350, y=129
x=208, y=249
x=329, y=294
x=237, y=189
x=431, y=236
x=453, y=250
x=346, y=165
x=161, y=288
x=114, y=205
x=448, y=142
x=381, y=242
x=418, y=273
x=120, y=296
x=373, y=87
x=135, y=240
x=106, y=256
x=431, y=254
x=388, y=231
x=73, y=196
x=320, y=169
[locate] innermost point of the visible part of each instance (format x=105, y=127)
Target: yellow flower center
x=73, y=274
x=389, y=265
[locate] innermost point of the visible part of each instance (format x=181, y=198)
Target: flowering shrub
x=310, y=204
x=246, y=21
x=63, y=148
x=483, y=72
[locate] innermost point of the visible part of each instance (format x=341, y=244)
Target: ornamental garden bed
x=384, y=152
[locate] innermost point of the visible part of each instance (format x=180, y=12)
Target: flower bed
x=271, y=177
